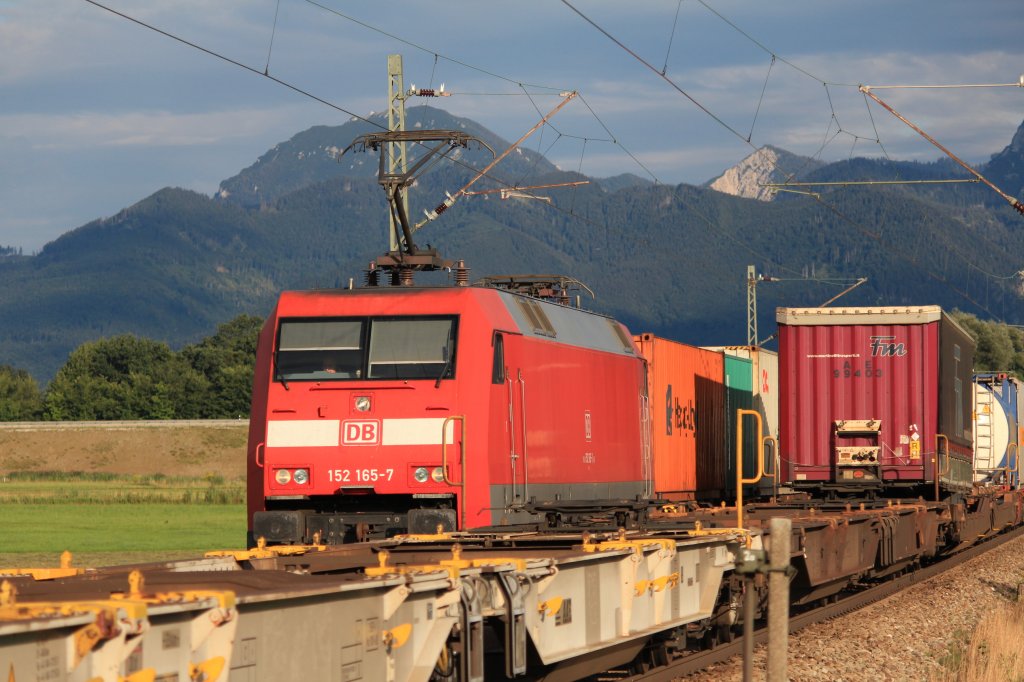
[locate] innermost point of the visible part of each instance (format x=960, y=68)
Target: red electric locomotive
x=394, y=409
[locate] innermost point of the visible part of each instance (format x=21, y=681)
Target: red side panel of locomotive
x=869, y=395
x=362, y=398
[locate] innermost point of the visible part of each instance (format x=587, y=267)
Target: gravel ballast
x=903, y=637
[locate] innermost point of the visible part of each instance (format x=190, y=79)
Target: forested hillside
x=667, y=259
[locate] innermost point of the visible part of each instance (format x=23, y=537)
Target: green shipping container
x=739, y=395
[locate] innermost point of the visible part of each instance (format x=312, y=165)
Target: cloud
x=145, y=128
x=80, y=84
x=796, y=110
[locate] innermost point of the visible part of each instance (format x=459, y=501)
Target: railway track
x=696, y=662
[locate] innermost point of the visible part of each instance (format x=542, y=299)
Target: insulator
x=371, y=275
x=1016, y=204
x=461, y=274
x=396, y=277
x=441, y=208
x=405, y=277
x=426, y=92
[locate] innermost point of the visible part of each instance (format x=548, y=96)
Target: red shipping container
x=687, y=403
x=864, y=392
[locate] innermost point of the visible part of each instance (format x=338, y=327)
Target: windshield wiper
x=448, y=360
x=280, y=377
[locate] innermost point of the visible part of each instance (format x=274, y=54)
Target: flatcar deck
x=394, y=610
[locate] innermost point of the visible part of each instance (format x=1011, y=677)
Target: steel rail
x=696, y=662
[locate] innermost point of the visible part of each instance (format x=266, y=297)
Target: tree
x=227, y=361
x=125, y=377
x=1000, y=348
x=20, y=397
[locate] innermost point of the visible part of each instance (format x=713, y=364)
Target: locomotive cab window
x=320, y=350
x=412, y=348
x=365, y=348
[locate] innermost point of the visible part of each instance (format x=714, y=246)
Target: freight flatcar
x=393, y=409
x=875, y=401
x=996, y=427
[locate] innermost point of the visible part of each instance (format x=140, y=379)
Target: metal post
x=749, y=597
x=778, y=598
x=397, y=160
x=751, y=306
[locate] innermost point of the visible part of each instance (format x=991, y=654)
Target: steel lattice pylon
x=751, y=306
x=397, y=160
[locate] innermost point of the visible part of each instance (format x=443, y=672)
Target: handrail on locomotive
x=461, y=418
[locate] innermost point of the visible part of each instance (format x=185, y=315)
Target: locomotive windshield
x=365, y=348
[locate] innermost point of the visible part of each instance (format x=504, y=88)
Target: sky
x=98, y=112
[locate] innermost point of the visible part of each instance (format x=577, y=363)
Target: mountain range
x=666, y=259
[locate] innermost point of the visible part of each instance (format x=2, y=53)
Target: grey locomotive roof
x=572, y=326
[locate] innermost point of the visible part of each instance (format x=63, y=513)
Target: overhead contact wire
x=616, y=142
x=273, y=32
x=234, y=62
x=764, y=88
x=912, y=260
x=279, y=81
x=671, y=36
x=212, y=53
x=426, y=50
x=652, y=68
x=520, y=84
x=766, y=49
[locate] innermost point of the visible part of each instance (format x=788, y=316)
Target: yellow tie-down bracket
x=65, y=570
x=111, y=618
x=657, y=584
x=637, y=546
x=700, y=531
x=262, y=551
x=439, y=536
x=452, y=566
x=125, y=613
x=136, y=584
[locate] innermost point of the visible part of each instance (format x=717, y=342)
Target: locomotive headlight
x=421, y=474
x=362, y=403
x=301, y=476
x=437, y=474
x=282, y=476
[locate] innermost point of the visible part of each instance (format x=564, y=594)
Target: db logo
x=360, y=432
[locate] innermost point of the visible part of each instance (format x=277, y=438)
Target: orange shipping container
x=687, y=398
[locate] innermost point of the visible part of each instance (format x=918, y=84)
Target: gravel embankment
x=900, y=638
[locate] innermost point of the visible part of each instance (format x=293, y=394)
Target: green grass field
x=60, y=487
x=115, y=519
